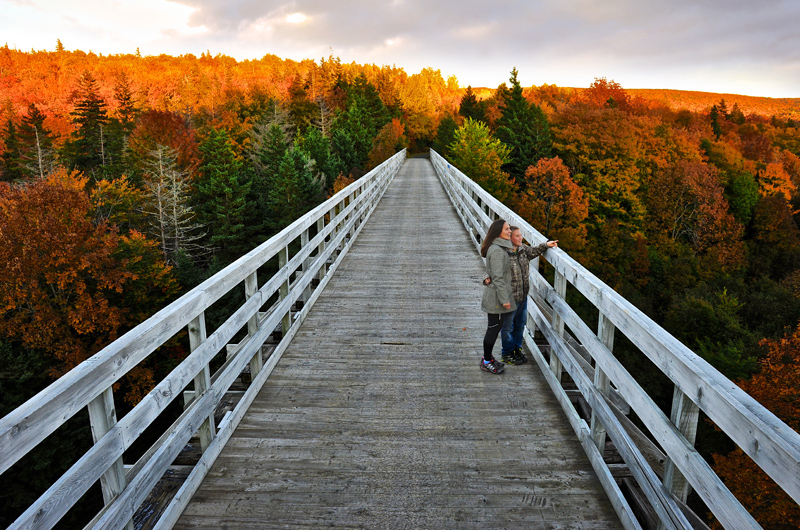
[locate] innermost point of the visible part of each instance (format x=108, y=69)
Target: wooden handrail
x=27, y=426
x=772, y=444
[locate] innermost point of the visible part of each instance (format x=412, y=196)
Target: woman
x=520, y=258
x=498, y=298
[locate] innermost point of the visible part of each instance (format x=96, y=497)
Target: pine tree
x=295, y=190
x=317, y=148
x=268, y=147
x=523, y=127
x=301, y=111
x=87, y=149
x=36, y=143
x=12, y=166
x=470, y=106
x=445, y=134
x=126, y=110
x=352, y=136
x=223, y=196
x=715, y=122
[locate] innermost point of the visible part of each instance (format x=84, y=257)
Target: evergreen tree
x=119, y=129
x=295, y=190
x=223, y=197
x=352, y=136
x=470, y=106
x=445, y=134
x=367, y=97
x=317, y=148
x=126, y=110
x=12, y=168
x=268, y=147
x=87, y=149
x=36, y=143
x=715, y=122
x=301, y=111
x=523, y=127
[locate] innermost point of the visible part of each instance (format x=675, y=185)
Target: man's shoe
x=520, y=355
x=511, y=358
x=493, y=367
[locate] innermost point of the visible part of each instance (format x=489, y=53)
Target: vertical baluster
x=558, y=324
x=605, y=332
x=202, y=381
x=530, y=322
x=283, y=259
x=102, y=417
x=323, y=269
x=306, y=264
x=684, y=416
x=250, y=289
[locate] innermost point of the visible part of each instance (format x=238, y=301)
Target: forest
x=125, y=180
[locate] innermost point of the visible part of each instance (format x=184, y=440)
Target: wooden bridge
x=346, y=391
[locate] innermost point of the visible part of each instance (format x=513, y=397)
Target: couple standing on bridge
x=505, y=298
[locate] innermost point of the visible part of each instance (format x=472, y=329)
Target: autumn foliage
x=776, y=386
x=64, y=275
x=126, y=179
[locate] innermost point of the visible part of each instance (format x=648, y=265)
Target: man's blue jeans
x=511, y=332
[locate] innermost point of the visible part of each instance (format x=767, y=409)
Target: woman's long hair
x=495, y=229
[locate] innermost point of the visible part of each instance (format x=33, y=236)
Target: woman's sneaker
x=492, y=367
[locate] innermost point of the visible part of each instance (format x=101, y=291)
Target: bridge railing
x=325, y=234
x=664, y=477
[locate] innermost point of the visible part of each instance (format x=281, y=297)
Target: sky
x=725, y=46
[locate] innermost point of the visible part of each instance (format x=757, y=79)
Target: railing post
x=560, y=282
x=202, y=381
x=250, y=289
x=684, y=416
x=283, y=259
x=323, y=269
x=102, y=417
x=605, y=332
x=304, y=237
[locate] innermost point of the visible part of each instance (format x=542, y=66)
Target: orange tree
x=777, y=387
x=70, y=285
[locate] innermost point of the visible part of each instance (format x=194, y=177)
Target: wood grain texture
x=377, y=415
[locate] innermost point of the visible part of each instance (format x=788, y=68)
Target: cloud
x=709, y=44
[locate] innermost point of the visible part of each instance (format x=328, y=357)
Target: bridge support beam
x=283, y=259
x=202, y=381
x=605, y=332
x=684, y=416
x=560, y=285
x=103, y=416
x=250, y=289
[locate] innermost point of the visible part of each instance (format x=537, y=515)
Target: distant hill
x=702, y=101
x=699, y=101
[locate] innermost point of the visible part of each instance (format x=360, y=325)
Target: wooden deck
x=378, y=415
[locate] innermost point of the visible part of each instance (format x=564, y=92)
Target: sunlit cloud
x=296, y=18
x=101, y=27
x=680, y=44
